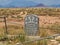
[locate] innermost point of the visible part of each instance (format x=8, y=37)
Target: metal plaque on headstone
x=31, y=25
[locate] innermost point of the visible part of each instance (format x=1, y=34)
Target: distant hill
x=40, y=5
x=19, y=3
x=23, y=3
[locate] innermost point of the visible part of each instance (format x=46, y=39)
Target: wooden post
x=5, y=25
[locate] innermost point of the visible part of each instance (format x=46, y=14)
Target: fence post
x=5, y=26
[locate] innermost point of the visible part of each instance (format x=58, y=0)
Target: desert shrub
x=22, y=38
x=42, y=42
x=3, y=38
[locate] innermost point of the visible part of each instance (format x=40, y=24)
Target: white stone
x=58, y=44
x=57, y=37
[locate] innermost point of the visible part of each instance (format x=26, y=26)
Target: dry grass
x=49, y=22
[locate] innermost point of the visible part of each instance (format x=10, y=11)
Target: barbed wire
x=41, y=38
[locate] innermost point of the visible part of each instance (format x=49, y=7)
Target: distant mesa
x=19, y=3
x=40, y=5
x=24, y=3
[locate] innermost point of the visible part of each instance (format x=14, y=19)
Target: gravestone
x=31, y=25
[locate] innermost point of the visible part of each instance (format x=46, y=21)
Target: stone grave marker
x=31, y=25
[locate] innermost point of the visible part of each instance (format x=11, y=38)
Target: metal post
x=5, y=25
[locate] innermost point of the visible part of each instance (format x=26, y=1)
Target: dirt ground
x=43, y=21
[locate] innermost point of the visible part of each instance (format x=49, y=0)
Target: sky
x=46, y=2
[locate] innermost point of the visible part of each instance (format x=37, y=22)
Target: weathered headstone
x=31, y=25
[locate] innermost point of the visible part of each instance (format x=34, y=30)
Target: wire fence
x=25, y=42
